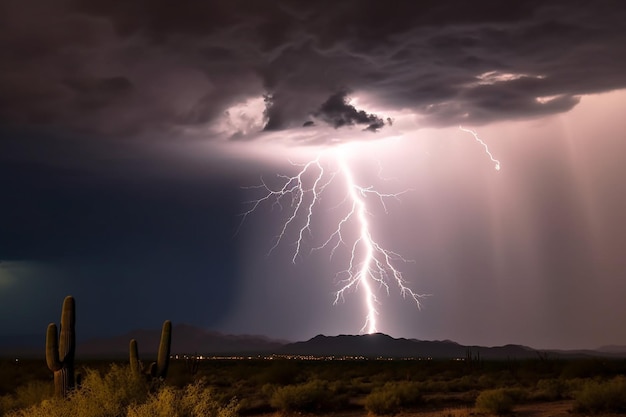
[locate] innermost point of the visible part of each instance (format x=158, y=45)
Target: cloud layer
x=158, y=66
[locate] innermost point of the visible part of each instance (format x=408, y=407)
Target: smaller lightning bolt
x=479, y=140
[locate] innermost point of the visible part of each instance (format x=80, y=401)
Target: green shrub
x=597, y=397
x=313, y=396
x=392, y=397
x=495, y=401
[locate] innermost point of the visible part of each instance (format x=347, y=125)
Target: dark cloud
x=338, y=112
x=164, y=65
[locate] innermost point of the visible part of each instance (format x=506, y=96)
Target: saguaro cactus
x=159, y=368
x=60, y=353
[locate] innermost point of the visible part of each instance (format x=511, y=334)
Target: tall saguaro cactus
x=61, y=347
x=159, y=368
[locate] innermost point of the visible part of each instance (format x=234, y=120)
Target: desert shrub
x=194, y=400
x=551, y=389
x=392, y=397
x=98, y=396
x=109, y=394
x=313, y=396
x=382, y=402
x=409, y=392
x=26, y=395
x=159, y=404
x=495, y=401
x=197, y=400
x=606, y=396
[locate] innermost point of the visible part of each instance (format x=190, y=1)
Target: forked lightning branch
x=369, y=267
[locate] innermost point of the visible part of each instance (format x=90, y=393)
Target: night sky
x=135, y=134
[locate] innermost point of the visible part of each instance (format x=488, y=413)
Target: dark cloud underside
x=338, y=112
x=129, y=68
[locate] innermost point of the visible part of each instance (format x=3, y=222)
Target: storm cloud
x=338, y=112
x=148, y=66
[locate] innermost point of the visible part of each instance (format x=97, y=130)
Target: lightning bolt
x=377, y=264
x=479, y=140
x=370, y=265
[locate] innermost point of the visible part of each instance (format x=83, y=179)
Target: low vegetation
x=495, y=401
x=598, y=396
x=393, y=397
x=118, y=392
x=227, y=388
x=311, y=397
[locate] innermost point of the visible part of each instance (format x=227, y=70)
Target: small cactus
x=60, y=353
x=159, y=368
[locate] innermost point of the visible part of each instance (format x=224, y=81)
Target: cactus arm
x=163, y=358
x=159, y=368
x=67, y=342
x=135, y=364
x=52, y=348
x=153, y=370
x=60, y=349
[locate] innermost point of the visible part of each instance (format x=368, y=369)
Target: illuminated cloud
x=164, y=67
x=217, y=89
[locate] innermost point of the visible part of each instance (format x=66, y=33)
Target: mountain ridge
x=382, y=345
x=188, y=340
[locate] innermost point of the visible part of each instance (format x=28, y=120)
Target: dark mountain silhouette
x=188, y=339
x=382, y=345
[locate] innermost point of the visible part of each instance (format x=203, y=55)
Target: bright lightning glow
x=479, y=140
x=370, y=265
x=376, y=265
